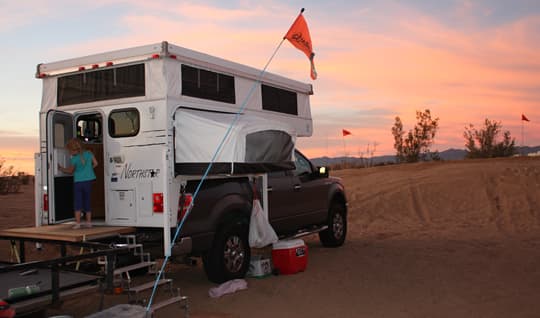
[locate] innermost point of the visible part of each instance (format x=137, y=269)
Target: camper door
x=60, y=186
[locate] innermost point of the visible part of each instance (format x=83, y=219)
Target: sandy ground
x=452, y=239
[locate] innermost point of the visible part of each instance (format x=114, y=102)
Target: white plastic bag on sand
x=227, y=287
x=261, y=232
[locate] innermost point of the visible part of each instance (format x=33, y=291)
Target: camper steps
x=129, y=246
x=132, y=267
x=182, y=300
x=138, y=249
x=135, y=290
x=145, y=286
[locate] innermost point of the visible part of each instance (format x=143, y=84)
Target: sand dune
x=495, y=197
x=450, y=239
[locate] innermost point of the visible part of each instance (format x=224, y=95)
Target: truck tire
x=335, y=235
x=229, y=256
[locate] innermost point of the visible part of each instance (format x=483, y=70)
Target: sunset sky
x=463, y=60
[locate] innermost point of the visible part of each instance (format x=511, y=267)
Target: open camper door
x=59, y=185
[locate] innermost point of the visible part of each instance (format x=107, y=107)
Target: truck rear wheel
x=229, y=256
x=335, y=235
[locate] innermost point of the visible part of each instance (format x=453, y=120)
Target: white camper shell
x=154, y=116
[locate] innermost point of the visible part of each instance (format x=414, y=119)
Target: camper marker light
x=157, y=199
x=182, y=208
x=172, y=56
x=42, y=75
x=109, y=64
x=81, y=68
x=95, y=66
x=155, y=56
x=45, y=202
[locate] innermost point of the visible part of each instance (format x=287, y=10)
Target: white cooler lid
x=287, y=244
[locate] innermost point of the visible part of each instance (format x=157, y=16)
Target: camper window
x=208, y=85
x=279, y=100
x=59, y=135
x=103, y=84
x=124, y=123
x=89, y=128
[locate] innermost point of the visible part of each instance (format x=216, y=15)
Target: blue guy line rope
x=207, y=171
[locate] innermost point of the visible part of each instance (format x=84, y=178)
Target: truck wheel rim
x=337, y=226
x=234, y=254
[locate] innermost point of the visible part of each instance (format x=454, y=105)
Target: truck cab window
x=124, y=123
x=303, y=166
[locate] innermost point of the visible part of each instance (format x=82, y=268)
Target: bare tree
x=9, y=182
x=483, y=143
x=415, y=145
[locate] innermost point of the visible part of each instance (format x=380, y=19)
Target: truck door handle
x=297, y=187
x=269, y=189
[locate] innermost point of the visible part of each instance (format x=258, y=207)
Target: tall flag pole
x=344, y=133
x=523, y=120
x=302, y=39
x=298, y=35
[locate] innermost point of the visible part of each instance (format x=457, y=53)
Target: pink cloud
x=402, y=62
x=462, y=76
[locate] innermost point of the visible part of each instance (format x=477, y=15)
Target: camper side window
x=207, y=84
x=124, y=123
x=279, y=100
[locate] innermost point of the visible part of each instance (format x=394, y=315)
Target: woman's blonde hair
x=75, y=145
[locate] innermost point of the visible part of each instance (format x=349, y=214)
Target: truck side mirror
x=323, y=171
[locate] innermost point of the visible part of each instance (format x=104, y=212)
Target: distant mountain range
x=450, y=154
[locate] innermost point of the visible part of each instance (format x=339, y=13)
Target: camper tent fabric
x=253, y=145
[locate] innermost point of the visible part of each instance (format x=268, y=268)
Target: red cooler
x=290, y=256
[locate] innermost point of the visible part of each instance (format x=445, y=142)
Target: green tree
x=483, y=143
x=415, y=144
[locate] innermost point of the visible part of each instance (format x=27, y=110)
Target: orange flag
x=345, y=132
x=299, y=36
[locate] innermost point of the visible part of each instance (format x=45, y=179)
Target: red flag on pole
x=524, y=118
x=346, y=132
x=299, y=36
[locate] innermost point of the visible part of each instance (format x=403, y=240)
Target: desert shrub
x=9, y=182
x=24, y=178
x=483, y=143
x=415, y=145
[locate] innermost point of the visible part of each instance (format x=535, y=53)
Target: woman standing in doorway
x=82, y=167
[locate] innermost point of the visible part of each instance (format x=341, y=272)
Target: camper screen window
x=279, y=100
x=124, y=123
x=208, y=85
x=111, y=83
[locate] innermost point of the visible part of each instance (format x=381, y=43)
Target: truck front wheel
x=336, y=232
x=229, y=256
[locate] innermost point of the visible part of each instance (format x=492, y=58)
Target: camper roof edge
x=69, y=65
x=213, y=62
x=165, y=49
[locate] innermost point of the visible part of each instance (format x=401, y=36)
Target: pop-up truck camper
x=154, y=116
x=159, y=118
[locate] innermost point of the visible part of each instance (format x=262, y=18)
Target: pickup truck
x=304, y=200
